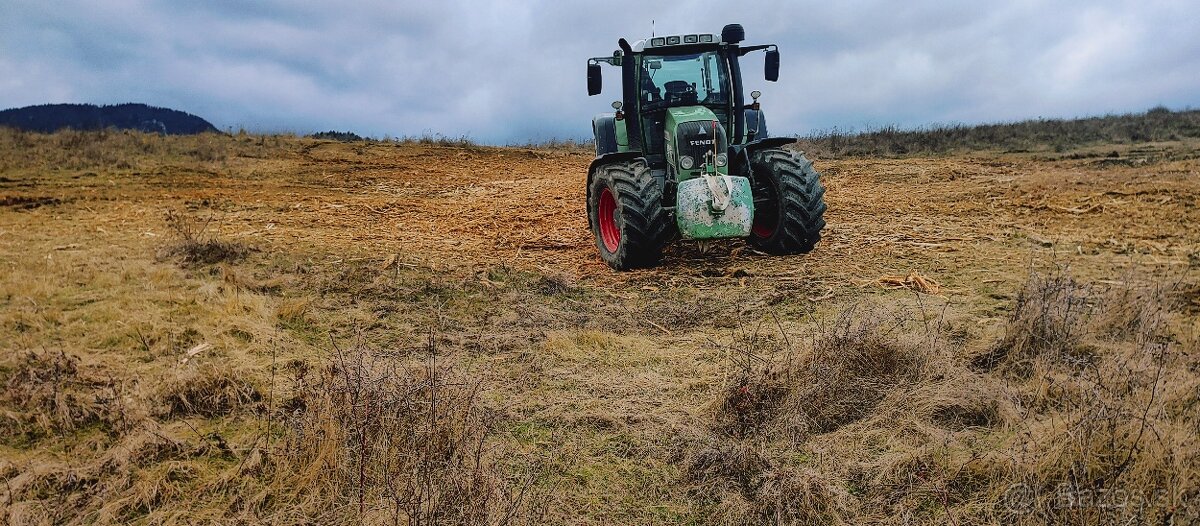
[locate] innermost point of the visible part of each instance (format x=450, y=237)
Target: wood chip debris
x=911, y=281
x=191, y=353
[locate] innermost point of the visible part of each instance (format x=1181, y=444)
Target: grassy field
x=248, y=329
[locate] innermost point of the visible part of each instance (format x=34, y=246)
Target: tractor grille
x=697, y=138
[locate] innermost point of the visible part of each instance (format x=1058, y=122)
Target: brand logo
x=708, y=142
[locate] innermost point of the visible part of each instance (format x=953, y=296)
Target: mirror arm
x=743, y=51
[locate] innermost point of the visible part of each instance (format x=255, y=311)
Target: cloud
x=508, y=72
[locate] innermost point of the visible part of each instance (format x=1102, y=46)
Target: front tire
x=789, y=202
x=626, y=215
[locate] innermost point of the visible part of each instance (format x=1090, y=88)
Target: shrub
x=402, y=445
x=193, y=244
x=1048, y=322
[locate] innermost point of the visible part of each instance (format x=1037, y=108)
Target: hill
x=1035, y=135
x=48, y=118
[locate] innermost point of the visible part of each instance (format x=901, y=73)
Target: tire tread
x=801, y=198
x=645, y=227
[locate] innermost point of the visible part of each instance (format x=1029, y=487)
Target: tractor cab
x=680, y=80
x=697, y=71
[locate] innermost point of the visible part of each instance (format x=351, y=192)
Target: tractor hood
x=688, y=114
x=693, y=131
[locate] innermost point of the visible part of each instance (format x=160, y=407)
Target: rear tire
x=789, y=202
x=626, y=215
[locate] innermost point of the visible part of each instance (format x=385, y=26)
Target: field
x=245, y=329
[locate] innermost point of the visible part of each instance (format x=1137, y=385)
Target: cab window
x=680, y=80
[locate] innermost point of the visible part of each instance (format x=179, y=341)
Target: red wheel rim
x=610, y=233
x=762, y=230
x=765, y=222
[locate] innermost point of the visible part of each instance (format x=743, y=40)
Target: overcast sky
x=510, y=72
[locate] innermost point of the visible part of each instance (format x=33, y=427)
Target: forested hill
x=48, y=118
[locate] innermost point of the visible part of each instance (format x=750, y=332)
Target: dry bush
x=1103, y=445
x=881, y=420
x=1107, y=449
x=1048, y=323
x=852, y=364
x=862, y=369
x=193, y=244
x=962, y=402
x=369, y=440
x=730, y=465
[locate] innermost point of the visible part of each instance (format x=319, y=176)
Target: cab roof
x=664, y=44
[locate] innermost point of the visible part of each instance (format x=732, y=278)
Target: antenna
x=651, y=28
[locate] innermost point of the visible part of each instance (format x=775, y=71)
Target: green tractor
x=683, y=155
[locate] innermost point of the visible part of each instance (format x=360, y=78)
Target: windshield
x=699, y=78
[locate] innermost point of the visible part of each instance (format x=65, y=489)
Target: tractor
x=683, y=156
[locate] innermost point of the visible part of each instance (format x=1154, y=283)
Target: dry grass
x=141, y=471
x=150, y=386
x=360, y=440
x=127, y=150
x=881, y=420
x=207, y=391
x=48, y=393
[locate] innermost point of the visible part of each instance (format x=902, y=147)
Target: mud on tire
x=626, y=215
x=789, y=202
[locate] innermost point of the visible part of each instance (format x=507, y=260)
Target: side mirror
x=594, y=80
x=772, y=65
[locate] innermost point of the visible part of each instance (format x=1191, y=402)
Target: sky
x=514, y=72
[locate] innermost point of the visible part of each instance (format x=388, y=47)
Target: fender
x=604, y=132
x=605, y=159
x=739, y=158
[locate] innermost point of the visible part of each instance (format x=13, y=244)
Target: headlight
x=685, y=162
x=722, y=159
